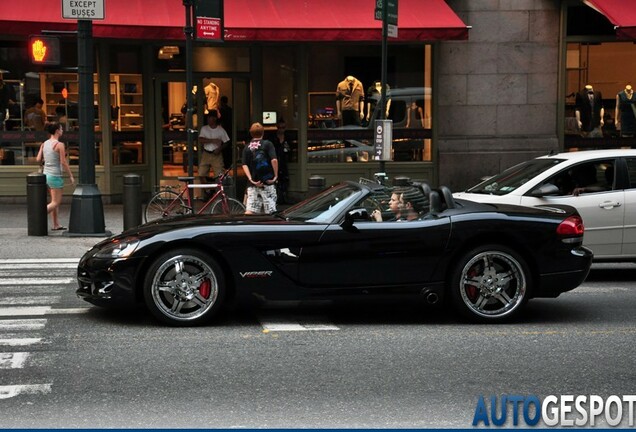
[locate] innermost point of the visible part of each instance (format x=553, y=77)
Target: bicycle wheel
x=235, y=207
x=165, y=203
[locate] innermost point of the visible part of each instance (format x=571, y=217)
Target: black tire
x=184, y=287
x=491, y=283
x=235, y=207
x=162, y=205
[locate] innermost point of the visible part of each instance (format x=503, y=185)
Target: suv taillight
x=572, y=226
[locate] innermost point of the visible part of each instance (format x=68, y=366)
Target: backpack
x=261, y=166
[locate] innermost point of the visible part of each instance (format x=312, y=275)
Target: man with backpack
x=261, y=169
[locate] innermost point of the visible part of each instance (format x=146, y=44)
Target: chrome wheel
x=184, y=288
x=235, y=207
x=491, y=284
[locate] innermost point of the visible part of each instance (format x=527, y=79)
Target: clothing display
x=374, y=94
x=589, y=109
x=626, y=111
x=212, y=92
x=350, y=100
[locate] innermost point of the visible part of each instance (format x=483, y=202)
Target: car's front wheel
x=184, y=287
x=490, y=283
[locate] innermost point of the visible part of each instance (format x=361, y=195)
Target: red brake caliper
x=471, y=290
x=205, y=288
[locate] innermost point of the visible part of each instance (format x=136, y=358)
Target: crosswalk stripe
x=68, y=311
x=9, y=391
x=13, y=360
x=30, y=300
x=22, y=324
x=20, y=341
x=39, y=260
x=24, y=310
x=24, y=266
x=35, y=281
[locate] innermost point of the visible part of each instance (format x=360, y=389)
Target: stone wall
x=497, y=92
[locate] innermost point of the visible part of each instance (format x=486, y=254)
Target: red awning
x=621, y=13
x=246, y=20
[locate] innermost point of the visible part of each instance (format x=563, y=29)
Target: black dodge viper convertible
x=486, y=260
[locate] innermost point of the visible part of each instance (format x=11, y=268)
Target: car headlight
x=120, y=248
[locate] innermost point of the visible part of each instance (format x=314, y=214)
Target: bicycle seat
x=186, y=179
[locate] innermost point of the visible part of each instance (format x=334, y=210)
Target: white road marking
x=39, y=260
x=22, y=324
x=14, y=360
x=31, y=300
x=39, y=311
x=599, y=290
x=9, y=391
x=275, y=324
x=68, y=311
x=20, y=342
x=24, y=310
x=35, y=281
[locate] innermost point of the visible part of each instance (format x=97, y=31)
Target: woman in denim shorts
x=53, y=153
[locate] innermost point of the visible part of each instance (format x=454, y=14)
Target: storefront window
x=344, y=101
x=280, y=96
x=600, y=108
x=31, y=97
x=126, y=106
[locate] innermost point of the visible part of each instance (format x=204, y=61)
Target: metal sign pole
x=383, y=75
x=189, y=34
x=87, y=211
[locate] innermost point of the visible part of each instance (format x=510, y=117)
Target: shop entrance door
x=208, y=94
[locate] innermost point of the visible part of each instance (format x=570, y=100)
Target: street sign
x=383, y=140
x=392, y=30
x=83, y=9
x=208, y=28
x=391, y=13
x=209, y=20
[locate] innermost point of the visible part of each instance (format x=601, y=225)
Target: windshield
x=323, y=207
x=512, y=178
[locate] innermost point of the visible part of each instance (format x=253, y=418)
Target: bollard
x=36, y=205
x=401, y=181
x=316, y=184
x=132, y=201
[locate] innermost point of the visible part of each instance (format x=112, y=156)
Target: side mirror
x=354, y=215
x=547, y=189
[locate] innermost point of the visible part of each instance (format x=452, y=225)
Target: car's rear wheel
x=184, y=287
x=491, y=283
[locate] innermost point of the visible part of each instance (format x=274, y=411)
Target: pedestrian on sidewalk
x=53, y=156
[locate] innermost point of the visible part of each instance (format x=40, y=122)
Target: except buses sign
x=83, y=9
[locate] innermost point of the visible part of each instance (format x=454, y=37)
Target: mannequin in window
x=625, y=113
x=211, y=96
x=350, y=101
x=589, y=112
x=374, y=94
x=7, y=99
x=415, y=116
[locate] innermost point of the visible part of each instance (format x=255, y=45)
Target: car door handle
x=609, y=204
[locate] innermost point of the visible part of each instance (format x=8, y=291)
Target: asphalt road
x=370, y=366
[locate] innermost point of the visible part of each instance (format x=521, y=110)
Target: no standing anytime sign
x=83, y=9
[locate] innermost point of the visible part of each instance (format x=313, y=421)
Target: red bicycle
x=168, y=202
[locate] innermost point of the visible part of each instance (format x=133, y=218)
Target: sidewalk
x=16, y=243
